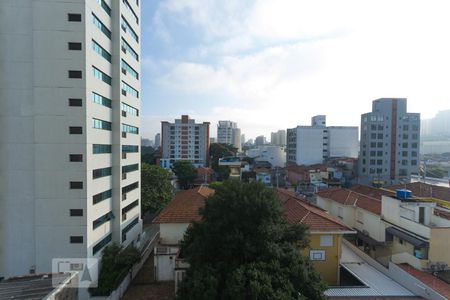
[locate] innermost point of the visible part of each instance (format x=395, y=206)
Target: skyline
x=277, y=64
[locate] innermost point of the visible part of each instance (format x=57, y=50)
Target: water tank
x=403, y=194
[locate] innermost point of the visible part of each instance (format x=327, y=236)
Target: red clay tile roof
x=184, y=207
x=441, y=213
x=349, y=197
x=420, y=189
x=433, y=282
x=297, y=210
x=371, y=191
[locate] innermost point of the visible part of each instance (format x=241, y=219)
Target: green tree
x=244, y=248
x=156, y=190
x=185, y=172
x=217, y=151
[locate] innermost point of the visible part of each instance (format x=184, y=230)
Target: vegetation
x=435, y=171
x=185, y=172
x=115, y=264
x=217, y=151
x=244, y=248
x=155, y=188
x=215, y=184
x=149, y=155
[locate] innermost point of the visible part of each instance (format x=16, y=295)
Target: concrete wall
x=343, y=142
x=438, y=242
x=172, y=234
x=309, y=145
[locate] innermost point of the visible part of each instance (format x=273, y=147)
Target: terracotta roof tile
x=184, y=207
x=349, y=197
x=420, y=189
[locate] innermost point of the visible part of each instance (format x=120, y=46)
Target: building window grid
x=130, y=9
x=99, y=99
x=127, y=28
x=129, y=109
x=100, y=75
x=101, y=51
x=130, y=129
x=130, y=207
x=102, y=220
x=100, y=124
x=126, y=87
x=130, y=187
x=130, y=148
x=101, y=26
x=130, y=168
x=127, y=48
x=102, y=244
x=102, y=172
x=101, y=148
x=105, y=6
x=101, y=196
x=130, y=70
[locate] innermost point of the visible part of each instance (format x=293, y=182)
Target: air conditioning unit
x=124, y=71
x=124, y=134
x=124, y=155
x=124, y=113
x=124, y=176
x=162, y=250
x=124, y=92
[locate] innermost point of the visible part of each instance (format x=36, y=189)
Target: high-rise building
x=185, y=140
x=308, y=145
x=157, y=140
x=70, y=130
x=278, y=138
x=260, y=140
x=229, y=133
x=390, y=137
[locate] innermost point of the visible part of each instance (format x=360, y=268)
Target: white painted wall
x=343, y=142
x=172, y=234
x=309, y=145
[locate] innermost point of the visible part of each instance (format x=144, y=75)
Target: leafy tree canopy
x=218, y=151
x=155, y=187
x=244, y=248
x=185, y=172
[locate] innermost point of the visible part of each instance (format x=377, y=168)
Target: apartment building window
x=373, y=135
x=130, y=9
x=76, y=239
x=380, y=145
x=76, y=130
x=130, y=129
x=100, y=124
x=76, y=185
x=404, y=153
x=129, y=109
x=415, y=127
x=129, y=90
x=102, y=220
x=101, y=51
x=405, y=127
x=379, y=162
x=102, y=172
x=405, y=145
x=75, y=74
x=74, y=17
x=130, y=148
x=414, y=162
x=105, y=6
x=76, y=157
x=76, y=212
x=99, y=99
x=128, y=228
x=373, y=127
x=100, y=75
x=101, y=196
x=317, y=254
x=75, y=102
x=380, y=136
x=414, y=153
x=414, y=136
x=127, y=28
x=130, y=168
x=128, y=69
x=414, y=145
x=74, y=46
x=130, y=207
x=373, y=144
x=99, y=246
x=101, y=148
x=101, y=26
x=127, y=48
x=130, y=187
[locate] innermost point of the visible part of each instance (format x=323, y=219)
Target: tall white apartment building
x=390, y=143
x=229, y=133
x=278, y=138
x=69, y=115
x=185, y=140
x=308, y=145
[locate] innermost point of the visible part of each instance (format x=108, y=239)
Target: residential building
x=308, y=145
x=229, y=133
x=71, y=130
x=260, y=140
x=185, y=140
x=390, y=139
x=275, y=155
x=438, y=126
x=157, y=143
x=278, y=138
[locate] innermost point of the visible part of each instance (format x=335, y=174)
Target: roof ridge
x=323, y=214
x=304, y=217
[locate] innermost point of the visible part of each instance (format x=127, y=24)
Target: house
x=326, y=233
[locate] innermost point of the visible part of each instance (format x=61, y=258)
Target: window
x=414, y=145
x=102, y=220
x=326, y=240
x=74, y=46
x=414, y=162
x=76, y=130
x=127, y=48
x=99, y=99
x=127, y=68
x=127, y=28
x=130, y=187
x=77, y=239
x=101, y=26
x=98, y=173
x=101, y=51
x=100, y=124
x=405, y=127
x=317, y=254
x=130, y=148
x=100, y=75
x=128, y=7
x=404, y=153
x=76, y=212
x=75, y=102
x=74, y=17
x=102, y=244
x=105, y=6
x=128, y=228
x=130, y=129
x=130, y=207
x=76, y=157
x=415, y=127
x=75, y=74
x=405, y=145
x=76, y=185
x=101, y=148
x=129, y=109
x=130, y=168
x=404, y=162
x=129, y=90
x=101, y=196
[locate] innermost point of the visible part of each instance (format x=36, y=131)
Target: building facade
x=157, y=143
x=70, y=136
x=229, y=133
x=278, y=138
x=185, y=140
x=390, y=141
x=308, y=145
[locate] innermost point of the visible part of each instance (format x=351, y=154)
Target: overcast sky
x=273, y=64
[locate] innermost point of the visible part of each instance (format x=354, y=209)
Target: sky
x=273, y=64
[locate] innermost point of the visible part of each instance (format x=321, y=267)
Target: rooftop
x=420, y=189
x=352, y=198
x=184, y=207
